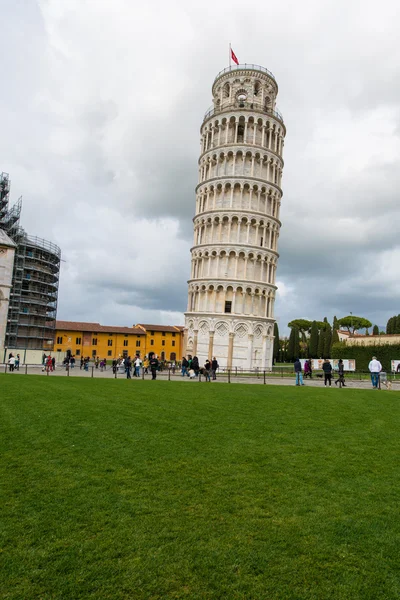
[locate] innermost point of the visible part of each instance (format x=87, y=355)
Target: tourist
x=341, y=373
x=154, y=364
x=17, y=360
x=11, y=362
x=96, y=362
x=185, y=365
x=128, y=366
x=214, y=368
x=173, y=367
x=297, y=370
x=49, y=363
x=375, y=368
x=53, y=363
x=195, y=365
x=327, y=369
x=146, y=365
x=72, y=361
x=138, y=364
x=307, y=369
x=206, y=370
x=81, y=367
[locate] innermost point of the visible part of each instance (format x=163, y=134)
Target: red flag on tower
x=234, y=57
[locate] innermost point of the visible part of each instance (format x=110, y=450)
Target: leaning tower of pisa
x=232, y=288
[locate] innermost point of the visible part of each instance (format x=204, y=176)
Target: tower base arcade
x=237, y=341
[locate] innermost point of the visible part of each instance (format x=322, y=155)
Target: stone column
x=185, y=339
x=196, y=333
x=230, y=350
x=264, y=353
x=210, y=345
x=250, y=351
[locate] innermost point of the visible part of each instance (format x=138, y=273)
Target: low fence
x=223, y=374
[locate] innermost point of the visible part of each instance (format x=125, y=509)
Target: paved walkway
x=164, y=376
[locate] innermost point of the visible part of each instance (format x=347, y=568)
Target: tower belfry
x=232, y=288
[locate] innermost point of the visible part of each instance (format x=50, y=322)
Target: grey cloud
x=101, y=136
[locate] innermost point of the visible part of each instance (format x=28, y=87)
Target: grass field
x=159, y=490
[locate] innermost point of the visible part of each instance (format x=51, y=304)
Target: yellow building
x=163, y=340
x=95, y=340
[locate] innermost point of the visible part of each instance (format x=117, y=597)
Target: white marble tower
x=230, y=311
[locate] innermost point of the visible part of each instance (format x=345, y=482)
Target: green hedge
x=385, y=353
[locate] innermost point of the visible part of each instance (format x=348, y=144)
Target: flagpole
x=230, y=54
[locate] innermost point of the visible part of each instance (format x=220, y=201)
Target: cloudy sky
x=101, y=103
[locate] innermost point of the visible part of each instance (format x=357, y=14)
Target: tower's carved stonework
x=230, y=311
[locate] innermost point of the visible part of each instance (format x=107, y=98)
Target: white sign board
x=349, y=364
x=395, y=366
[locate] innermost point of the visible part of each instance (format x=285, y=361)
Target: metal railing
x=215, y=110
x=245, y=66
x=261, y=376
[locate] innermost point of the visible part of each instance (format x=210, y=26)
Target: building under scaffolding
x=33, y=298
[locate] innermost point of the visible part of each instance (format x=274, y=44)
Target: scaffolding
x=33, y=297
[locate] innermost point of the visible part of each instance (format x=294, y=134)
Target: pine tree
x=276, y=342
x=389, y=325
x=313, y=346
x=375, y=330
x=327, y=341
x=321, y=344
x=335, y=323
x=293, y=350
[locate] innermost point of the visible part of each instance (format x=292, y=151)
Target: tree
x=375, y=330
x=321, y=344
x=389, y=326
x=283, y=345
x=293, y=350
x=313, y=345
x=335, y=338
x=276, y=342
x=303, y=325
x=327, y=341
x=335, y=323
x=353, y=323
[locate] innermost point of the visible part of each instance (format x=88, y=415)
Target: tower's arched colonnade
x=231, y=294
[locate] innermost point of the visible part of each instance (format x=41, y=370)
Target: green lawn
x=157, y=490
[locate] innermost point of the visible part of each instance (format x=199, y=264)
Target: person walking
x=327, y=369
x=207, y=369
x=185, y=366
x=341, y=373
x=154, y=366
x=128, y=367
x=307, y=369
x=53, y=363
x=214, y=368
x=17, y=361
x=195, y=365
x=375, y=368
x=297, y=370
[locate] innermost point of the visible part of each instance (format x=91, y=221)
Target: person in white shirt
x=11, y=362
x=138, y=364
x=375, y=368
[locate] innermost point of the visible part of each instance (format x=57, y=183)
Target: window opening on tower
x=228, y=306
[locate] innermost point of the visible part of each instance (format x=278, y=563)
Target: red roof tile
x=96, y=328
x=166, y=328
